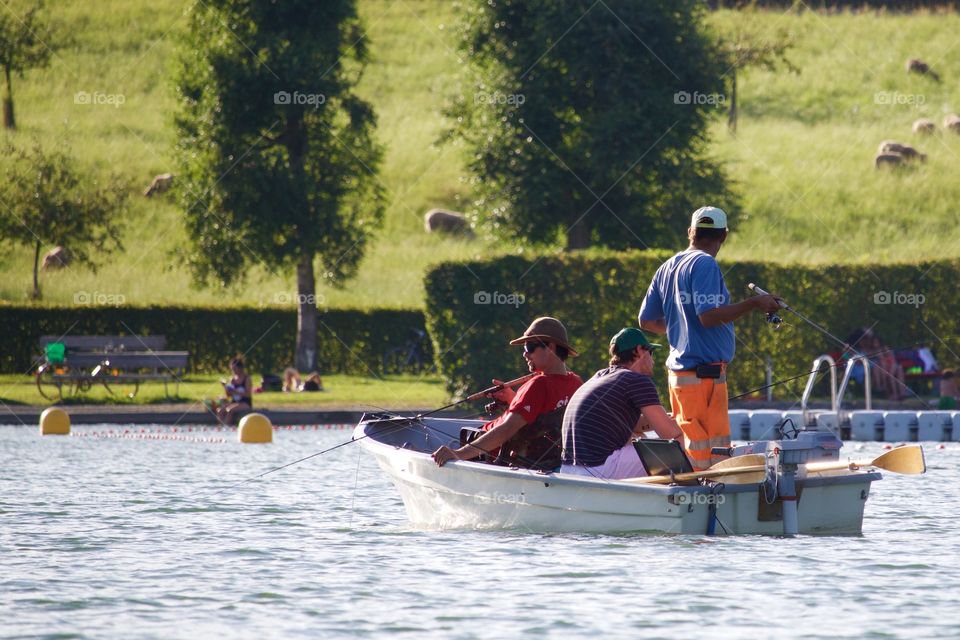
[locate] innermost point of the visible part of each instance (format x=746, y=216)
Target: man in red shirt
x=539, y=402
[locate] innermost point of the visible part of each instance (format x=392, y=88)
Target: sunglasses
x=530, y=347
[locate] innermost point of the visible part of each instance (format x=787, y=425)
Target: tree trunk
x=8, y=120
x=578, y=236
x=36, y=264
x=306, y=357
x=732, y=113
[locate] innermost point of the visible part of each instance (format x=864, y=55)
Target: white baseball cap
x=709, y=218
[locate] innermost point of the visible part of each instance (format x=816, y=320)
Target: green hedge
x=596, y=294
x=349, y=341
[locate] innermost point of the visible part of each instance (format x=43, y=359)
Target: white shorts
x=622, y=463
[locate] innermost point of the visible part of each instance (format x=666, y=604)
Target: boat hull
x=471, y=495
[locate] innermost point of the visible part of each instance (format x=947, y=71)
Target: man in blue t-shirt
x=689, y=302
x=615, y=405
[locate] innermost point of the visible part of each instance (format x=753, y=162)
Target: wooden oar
x=907, y=459
x=752, y=463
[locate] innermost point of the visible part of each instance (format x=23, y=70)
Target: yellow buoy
x=54, y=421
x=255, y=428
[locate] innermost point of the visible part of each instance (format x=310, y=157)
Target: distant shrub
x=471, y=315
x=349, y=341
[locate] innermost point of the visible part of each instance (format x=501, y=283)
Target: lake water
x=125, y=537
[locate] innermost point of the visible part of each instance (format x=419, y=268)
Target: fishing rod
x=773, y=318
x=473, y=396
x=480, y=394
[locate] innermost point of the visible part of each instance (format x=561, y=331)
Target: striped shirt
x=602, y=414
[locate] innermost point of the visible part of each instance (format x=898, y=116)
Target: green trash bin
x=56, y=352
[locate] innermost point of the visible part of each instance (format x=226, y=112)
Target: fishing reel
x=774, y=320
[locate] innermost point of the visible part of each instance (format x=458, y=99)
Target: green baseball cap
x=630, y=338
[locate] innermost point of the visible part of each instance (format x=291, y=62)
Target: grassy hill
x=802, y=158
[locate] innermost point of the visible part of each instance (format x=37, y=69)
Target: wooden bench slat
x=103, y=343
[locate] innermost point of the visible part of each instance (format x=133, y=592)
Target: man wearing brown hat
x=535, y=409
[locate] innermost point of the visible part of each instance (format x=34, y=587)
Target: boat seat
x=866, y=425
x=934, y=426
x=899, y=426
x=739, y=424
x=765, y=424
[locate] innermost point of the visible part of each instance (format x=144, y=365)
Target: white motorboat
x=823, y=495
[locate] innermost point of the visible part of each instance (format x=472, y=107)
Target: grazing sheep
x=952, y=123
x=924, y=126
x=890, y=146
x=887, y=160
x=915, y=65
x=446, y=221
x=905, y=151
x=159, y=184
x=56, y=258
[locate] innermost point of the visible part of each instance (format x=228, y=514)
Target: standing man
x=688, y=300
x=611, y=408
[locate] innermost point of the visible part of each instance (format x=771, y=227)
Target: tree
x=743, y=47
x=47, y=200
x=23, y=45
x=588, y=120
x=276, y=151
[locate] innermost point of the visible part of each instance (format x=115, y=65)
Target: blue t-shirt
x=602, y=413
x=685, y=286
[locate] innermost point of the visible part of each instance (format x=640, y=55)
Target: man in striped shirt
x=615, y=405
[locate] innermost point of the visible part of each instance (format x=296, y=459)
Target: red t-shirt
x=539, y=395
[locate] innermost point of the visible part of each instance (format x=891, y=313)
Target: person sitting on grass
x=292, y=381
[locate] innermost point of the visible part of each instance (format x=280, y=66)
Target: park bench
x=116, y=362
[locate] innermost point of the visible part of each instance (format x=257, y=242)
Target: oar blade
x=907, y=459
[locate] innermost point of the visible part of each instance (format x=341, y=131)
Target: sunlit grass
x=362, y=393
x=802, y=160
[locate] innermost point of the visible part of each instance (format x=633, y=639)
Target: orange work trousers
x=700, y=408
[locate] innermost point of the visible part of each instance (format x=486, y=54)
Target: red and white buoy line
x=190, y=433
